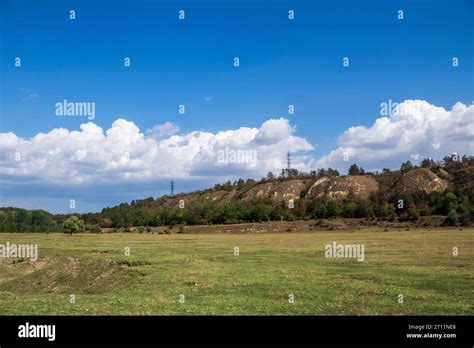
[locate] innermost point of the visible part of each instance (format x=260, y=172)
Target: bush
x=452, y=218
x=317, y=208
x=349, y=209
x=363, y=209
x=386, y=210
x=105, y=222
x=334, y=208
x=413, y=213
x=321, y=223
x=464, y=220
x=93, y=228
x=449, y=202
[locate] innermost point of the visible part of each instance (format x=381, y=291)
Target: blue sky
x=177, y=62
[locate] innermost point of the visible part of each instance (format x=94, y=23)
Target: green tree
x=413, y=213
x=452, y=218
x=334, y=208
x=386, y=210
x=449, y=202
x=363, y=209
x=332, y=172
x=105, y=222
x=317, y=209
x=355, y=170
x=349, y=209
x=406, y=167
x=427, y=163
x=73, y=225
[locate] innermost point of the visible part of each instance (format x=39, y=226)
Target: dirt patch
x=66, y=275
x=128, y=263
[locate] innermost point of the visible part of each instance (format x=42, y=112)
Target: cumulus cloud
x=123, y=153
x=418, y=130
x=160, y=131
x=272, y=130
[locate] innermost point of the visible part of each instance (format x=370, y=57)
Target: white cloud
x=272, y=130
x=30, y=96
x=124, y=153
x=422, y=130
x=160, y=131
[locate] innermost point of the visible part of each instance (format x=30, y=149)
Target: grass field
x=418, y=264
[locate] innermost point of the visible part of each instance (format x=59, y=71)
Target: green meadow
x=200, y=274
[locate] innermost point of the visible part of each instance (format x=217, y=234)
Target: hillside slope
x=435, y=188
x=326, y=187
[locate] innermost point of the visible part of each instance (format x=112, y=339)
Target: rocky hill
x=423, y=179
x=433, y=188
x=326, y=187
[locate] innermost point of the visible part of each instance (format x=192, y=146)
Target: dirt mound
x=356, y=186
x=421, y=179
x=67, y=275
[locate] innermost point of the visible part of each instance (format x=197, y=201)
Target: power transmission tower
x=172, y=187
x=288, y=156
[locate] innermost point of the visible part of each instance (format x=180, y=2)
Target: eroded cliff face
x=357, y=186
x=421, y=179
x=278, y=191
x=333, y=187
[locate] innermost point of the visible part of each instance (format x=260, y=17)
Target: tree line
x=456, y=203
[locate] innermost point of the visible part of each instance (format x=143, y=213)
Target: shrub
x=321, y=223
x=349, y=209
x=105, y=222
x=363, y=209
x=413, y=213
x=452, y=218
x=93, y=228
x=334, y=208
